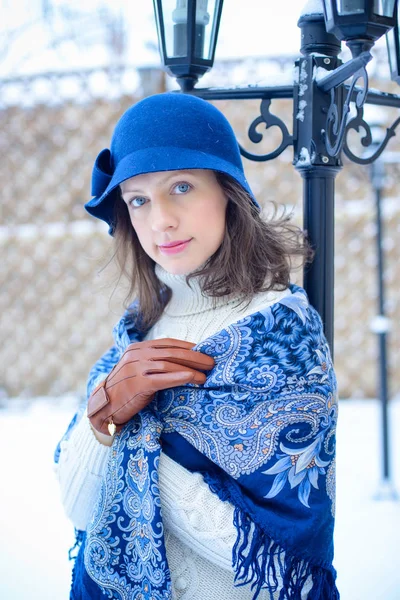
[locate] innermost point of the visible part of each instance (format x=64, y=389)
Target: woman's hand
x=144, y=369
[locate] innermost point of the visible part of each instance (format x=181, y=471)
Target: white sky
x=30, y=44
x=248, y=28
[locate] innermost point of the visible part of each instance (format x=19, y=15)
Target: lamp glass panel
x=328, y=9
x=206, y=14
x=176, y=25
x=351, y=7
x=384, y=8
x=391, y=48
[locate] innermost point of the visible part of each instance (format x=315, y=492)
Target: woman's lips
x=174, y=247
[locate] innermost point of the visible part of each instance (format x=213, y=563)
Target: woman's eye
x=139, y=201
x=182, y=188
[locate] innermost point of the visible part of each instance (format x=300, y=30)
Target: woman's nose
x=163, y=216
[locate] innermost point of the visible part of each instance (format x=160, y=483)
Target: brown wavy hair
x=256, y=255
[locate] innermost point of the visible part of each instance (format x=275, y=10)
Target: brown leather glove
x=144, y=369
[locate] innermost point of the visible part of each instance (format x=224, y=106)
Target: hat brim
x=152, y=160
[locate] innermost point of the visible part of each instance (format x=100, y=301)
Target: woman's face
x=178, y=216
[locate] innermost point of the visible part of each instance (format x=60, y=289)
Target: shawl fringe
x=74, y=550
x=264, y=564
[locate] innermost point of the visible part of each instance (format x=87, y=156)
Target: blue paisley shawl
x=261, y=430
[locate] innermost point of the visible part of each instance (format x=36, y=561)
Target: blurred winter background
x=67, y=71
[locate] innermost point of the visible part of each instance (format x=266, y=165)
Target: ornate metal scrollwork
x=339, y=128
x=367, y=140
x=256, y=137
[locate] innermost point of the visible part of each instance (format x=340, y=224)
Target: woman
x=203, y=464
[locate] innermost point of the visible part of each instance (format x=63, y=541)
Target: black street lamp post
x=188, y=31
x=381, y=324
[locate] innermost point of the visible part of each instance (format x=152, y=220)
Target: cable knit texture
x=80, y=469
x=199, y=530
x=191, y=316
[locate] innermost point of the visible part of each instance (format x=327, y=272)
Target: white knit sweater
x=199, y=531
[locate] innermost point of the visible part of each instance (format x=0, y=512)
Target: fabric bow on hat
x=102, y=173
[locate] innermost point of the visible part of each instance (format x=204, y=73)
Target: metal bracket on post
x=335, y=125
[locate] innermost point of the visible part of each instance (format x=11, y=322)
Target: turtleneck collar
x=187, y=300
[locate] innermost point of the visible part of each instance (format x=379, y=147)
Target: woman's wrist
x=104, y=439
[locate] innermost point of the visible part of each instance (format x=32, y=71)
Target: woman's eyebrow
x=174, y=174
x=131, y=191
x=166, y=179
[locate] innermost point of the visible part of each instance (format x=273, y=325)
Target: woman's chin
x=179, y=267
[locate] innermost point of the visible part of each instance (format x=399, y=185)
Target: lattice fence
x=56, y=314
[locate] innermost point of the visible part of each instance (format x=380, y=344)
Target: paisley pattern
x=266, y=417
x=258, y=389
x=124, y=551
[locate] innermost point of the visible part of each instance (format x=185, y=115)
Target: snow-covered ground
x=35, y=535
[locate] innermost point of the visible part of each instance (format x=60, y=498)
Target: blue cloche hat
x=164, y=132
